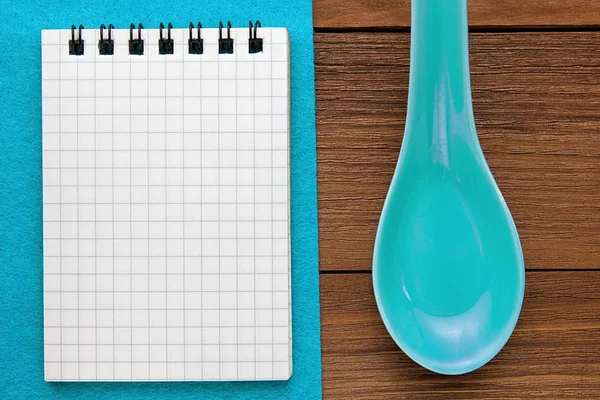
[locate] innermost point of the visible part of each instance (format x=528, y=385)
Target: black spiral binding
x=195, y=46
x=106, y=47
x=255, y=44
x=136, y=46
x=76, y=45
x=166, y=46
x=225, y=44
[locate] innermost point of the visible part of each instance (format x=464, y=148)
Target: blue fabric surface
x=21, y=316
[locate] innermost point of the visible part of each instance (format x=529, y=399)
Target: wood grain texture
x=536, y=100
x=553, y=353
x=482, y=13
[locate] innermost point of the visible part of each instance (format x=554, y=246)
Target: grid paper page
x=166, y=209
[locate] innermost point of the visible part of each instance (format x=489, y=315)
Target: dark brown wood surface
x=536, y=95
x=331, y=14
x=553, y=353
x=536, y=99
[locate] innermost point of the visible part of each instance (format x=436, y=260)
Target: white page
x=166, y=209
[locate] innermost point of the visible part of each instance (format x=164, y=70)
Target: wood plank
x=536, y=100
x=482, y=13
x=553, y=352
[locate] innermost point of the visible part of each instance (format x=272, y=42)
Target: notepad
x=166, y=204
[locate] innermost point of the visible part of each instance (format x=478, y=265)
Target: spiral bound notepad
x=166, y=204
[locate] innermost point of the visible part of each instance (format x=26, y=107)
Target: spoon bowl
x=448, y=270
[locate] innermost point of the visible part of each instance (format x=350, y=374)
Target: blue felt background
x=21, y=324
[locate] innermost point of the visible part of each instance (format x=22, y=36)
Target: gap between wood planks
x=473, y=29
x=356, y=272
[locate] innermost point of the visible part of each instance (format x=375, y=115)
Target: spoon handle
x=439, y=103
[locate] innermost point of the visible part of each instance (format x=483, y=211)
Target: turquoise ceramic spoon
x=448, y=268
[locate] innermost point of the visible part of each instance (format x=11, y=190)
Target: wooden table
x=536, y=87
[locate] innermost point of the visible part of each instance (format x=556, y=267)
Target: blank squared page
x=166, y=209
